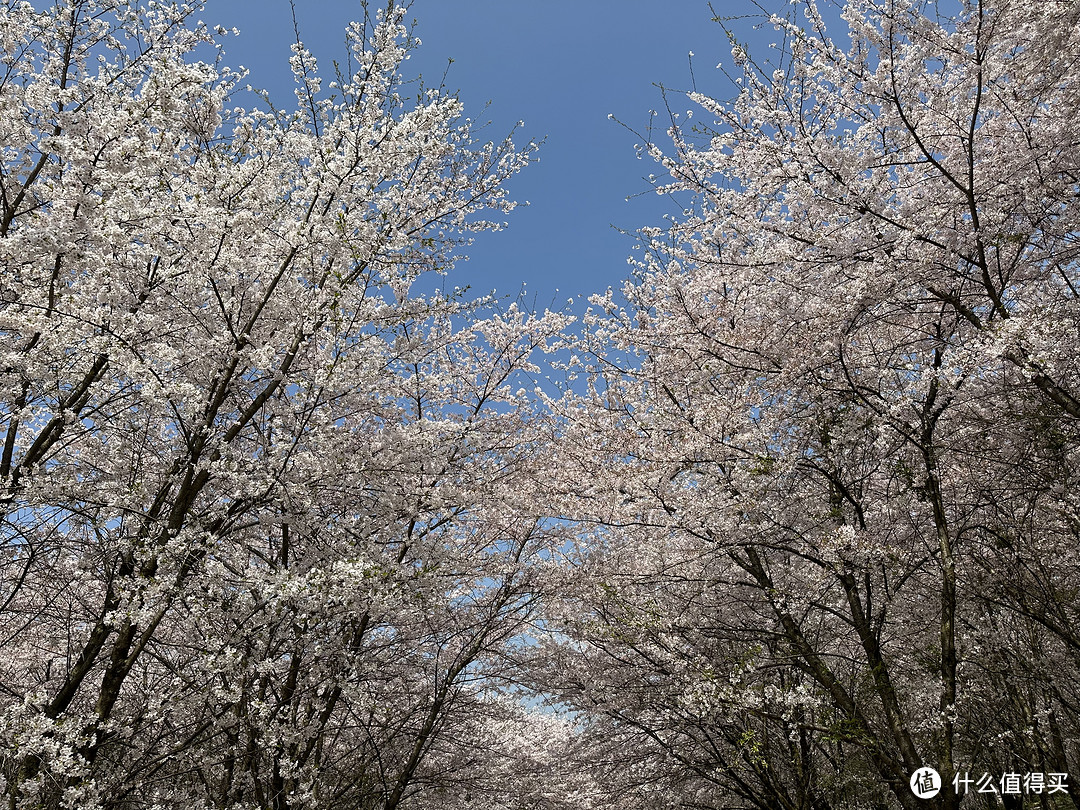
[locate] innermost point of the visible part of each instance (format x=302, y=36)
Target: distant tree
x=267, y=537
x=829, y=450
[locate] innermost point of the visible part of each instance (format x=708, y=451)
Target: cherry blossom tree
x=267, y=537
x=829, y=527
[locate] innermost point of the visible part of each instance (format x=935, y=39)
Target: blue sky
x=561, y=66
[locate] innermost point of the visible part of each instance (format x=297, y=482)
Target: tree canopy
x=282, y=528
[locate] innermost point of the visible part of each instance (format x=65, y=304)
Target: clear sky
x=561, y=66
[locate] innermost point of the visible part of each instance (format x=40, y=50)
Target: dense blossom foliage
x=830, y=529
x=267, y=532
x=285, y=527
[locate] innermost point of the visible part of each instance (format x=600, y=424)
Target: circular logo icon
x=925, y=783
